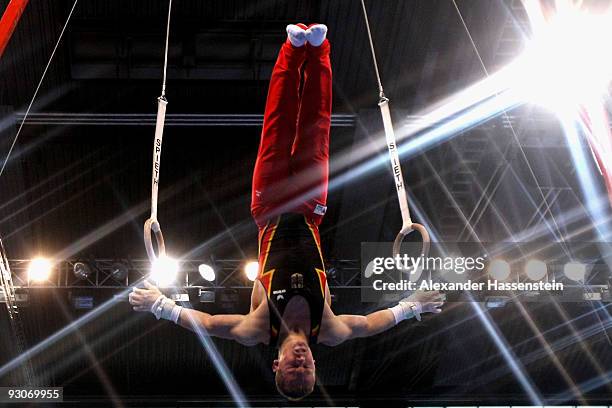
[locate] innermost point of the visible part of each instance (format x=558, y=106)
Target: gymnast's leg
x=310, y=152
x=272, y=168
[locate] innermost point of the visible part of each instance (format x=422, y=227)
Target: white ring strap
x=407, y=225
x=396, y=167
x=152, y=225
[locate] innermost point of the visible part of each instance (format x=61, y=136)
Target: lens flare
x=568, y=61
x=39, y=270
x=251, y=269
x=164, y=271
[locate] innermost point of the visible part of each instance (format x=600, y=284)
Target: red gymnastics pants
x=292, y=168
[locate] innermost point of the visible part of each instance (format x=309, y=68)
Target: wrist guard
x=164, y=308
x=405, y=310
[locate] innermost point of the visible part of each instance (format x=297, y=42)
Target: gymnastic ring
x=405, y=231
x=152, y=226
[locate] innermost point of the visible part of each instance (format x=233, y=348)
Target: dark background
x=75, y=191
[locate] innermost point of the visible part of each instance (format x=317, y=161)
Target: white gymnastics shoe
x=315, y=34
x=296, y=34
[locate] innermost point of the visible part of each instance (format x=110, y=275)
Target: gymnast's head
x=294, y=368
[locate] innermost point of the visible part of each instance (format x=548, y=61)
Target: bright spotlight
x=81, y=270
x=575, y=271
x=566, y=63
x=251, y=269
x=207, y=272
x=39, y=270
x=535, y=269
x=164, y=270
x=499, y=269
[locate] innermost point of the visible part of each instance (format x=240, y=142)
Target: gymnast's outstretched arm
x=339, y=329
x=241, y=328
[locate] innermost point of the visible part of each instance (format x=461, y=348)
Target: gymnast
x=291, y=304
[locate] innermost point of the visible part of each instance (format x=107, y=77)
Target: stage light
x=119, y=271
x=164, y=270
x=535, y=269
x=575, y=271
x=251, y=269
x=207, y=272
x=81, y=270
x=566, y=63
x=39, y=270
x=499, y=269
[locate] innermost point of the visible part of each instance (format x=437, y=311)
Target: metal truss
x=120, y=274
x=123, y=273
x=10, y=298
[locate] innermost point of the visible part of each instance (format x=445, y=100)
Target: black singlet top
x=291, y=264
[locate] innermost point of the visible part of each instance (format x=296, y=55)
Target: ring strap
x=407, y=225
x=152, y=226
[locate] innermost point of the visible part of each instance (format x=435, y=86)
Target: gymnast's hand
x=426, y=301
x=416, y=304
x=143, y=299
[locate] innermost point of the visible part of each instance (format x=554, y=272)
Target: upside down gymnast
x=290, y=306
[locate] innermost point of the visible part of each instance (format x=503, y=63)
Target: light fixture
x=575, y=271
x=164, y=270
x=499, y=269
x=206, y=272
x=39, y=270
x=81, y=270
x=535, y=269
x=251, y=269
x=331, y=272
x=566, y=51
x=119, y=271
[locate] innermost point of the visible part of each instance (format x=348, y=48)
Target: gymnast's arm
x=339, y=329
x=241, y=328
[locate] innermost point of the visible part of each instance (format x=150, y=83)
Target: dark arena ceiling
x=77, y=186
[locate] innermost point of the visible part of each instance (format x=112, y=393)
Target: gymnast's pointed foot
x=296, y=34
x=315, y=34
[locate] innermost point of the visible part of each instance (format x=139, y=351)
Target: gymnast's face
x=295, y=368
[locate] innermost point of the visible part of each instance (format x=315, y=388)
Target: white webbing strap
x=398, y=178
x=157, y=147
x=152, y=224
x=407, y=225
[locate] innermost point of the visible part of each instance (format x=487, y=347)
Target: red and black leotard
x=290, y=182
x=291, y=264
